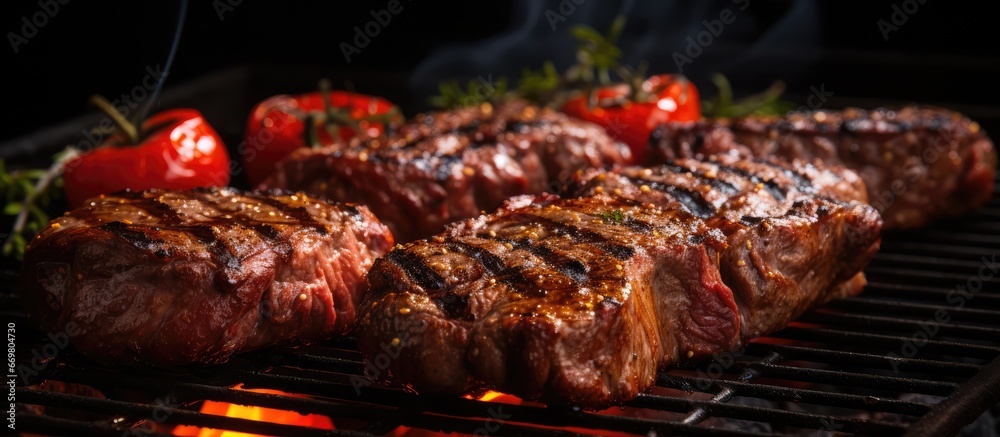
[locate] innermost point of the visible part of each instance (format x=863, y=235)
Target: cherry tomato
x=665, y=98
x=178, y=150
x=276, y=126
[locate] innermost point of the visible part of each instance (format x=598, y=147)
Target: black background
x=946, y=53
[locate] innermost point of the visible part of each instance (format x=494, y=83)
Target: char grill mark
x=454, y=306
x=219, y=248
x=722, y=186
x=568, y=267
x=578, y=234
x=772, y=188
x=416, y=269
x=299, y=213
x=204, y=234
x=692, y=201
x=493, y=264
x=266, y=231
x=635, y=224
x=156, y=207
x=471, y=127
x=137, y=238
x=802, y=182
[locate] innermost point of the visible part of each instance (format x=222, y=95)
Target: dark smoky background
x=235, y=52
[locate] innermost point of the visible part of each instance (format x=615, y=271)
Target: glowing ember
x=258, y=414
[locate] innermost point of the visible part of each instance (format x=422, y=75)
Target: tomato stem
x=127, y=127
x=311, y=132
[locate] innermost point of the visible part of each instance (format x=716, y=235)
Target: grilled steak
x=174, y=277
x=579, y=300
x=452, y=165
x=919, y=164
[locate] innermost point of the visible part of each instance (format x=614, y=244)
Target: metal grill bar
x=171, y=414
x=886, y=342
x=757, y=414
x=58, y=426
x=815, y=397
x=914, y=365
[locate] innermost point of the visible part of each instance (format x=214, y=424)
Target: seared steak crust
x=173, y=277
x=919, y=163
x=452, y=165
x=579, y=300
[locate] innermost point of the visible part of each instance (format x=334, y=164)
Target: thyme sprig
x=767, y=102
x=28, y=194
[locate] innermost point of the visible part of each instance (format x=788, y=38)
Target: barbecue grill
x=915, y=354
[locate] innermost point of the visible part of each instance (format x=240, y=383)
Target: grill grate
x=872, y=364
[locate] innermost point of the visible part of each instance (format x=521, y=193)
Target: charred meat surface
x=579, y=300
x=448, y=166
x=919, y=163
x=175, y=277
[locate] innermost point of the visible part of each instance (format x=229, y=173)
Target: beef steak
x=579, y=300
x=449, y=166
x=919, y=163
x=174, y=277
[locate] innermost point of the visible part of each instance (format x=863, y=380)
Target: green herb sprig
x=613, y=216
x=767, y=102
x=476, y=92
x=28, y=193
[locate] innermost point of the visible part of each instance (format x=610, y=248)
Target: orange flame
x=249, y=412
x=495, y=396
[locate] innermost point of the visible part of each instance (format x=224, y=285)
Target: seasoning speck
x=741, y=263
x=690, y=354
x=303, y=296
x=749, y=245
x=404, y=311
x=395, y=341
x=644, y=188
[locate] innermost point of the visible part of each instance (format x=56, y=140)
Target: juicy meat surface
x=174, y=277
x=919, y=163
x=579, y=300
x=448, y=166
